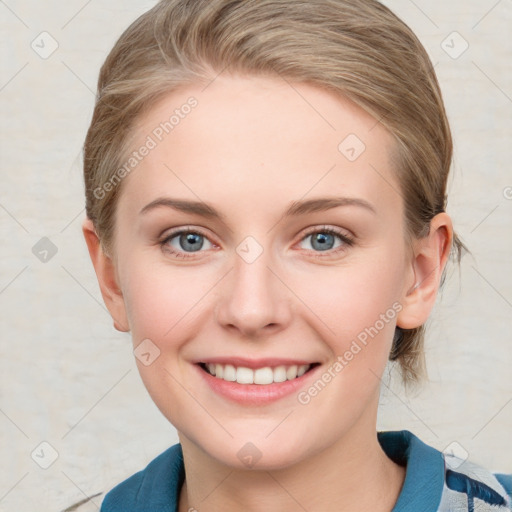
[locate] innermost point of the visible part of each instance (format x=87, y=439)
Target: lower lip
x=255, y=394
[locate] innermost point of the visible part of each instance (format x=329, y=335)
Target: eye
x=324, y=239
x=185, y=242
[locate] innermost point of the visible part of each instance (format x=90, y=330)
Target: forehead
x=247, y=136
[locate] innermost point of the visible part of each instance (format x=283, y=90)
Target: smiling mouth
x=263, y=376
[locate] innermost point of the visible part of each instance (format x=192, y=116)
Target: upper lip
x=255, y=363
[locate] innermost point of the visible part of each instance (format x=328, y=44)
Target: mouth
x=263, y=376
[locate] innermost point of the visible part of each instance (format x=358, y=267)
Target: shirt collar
x=424, y=477
x=421, y=491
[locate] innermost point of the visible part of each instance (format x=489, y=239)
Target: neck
x=352, y=475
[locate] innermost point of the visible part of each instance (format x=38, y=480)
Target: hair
x=355, y=48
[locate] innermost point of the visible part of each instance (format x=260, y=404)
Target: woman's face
x=285, y=248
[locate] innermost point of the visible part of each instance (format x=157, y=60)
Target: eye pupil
x=194, y=239
x=324, y=240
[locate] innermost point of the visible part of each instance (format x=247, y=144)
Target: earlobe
x=428, y=262
x=107, y=277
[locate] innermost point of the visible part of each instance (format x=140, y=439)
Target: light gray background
x=69, y=379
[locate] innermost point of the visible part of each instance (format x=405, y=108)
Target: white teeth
x=244, y=375
x=302, y=370
x=291, y=373
x=229, y=373
x=279, y=374
x=266, y=375
x=263, y=376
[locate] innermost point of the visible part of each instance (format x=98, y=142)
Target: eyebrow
x=296, y=208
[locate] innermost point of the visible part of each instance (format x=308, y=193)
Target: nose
x=254, y=299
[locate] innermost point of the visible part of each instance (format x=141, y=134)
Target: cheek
x=351, y=298
x=355, y=309
x=160, y=299
x=162, y=305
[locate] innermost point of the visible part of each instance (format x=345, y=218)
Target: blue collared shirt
x=434, y=481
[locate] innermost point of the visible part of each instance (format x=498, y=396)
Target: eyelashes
x=195, y=237
x=347, y=241
x=183, y=236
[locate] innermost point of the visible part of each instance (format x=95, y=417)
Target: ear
x=430, y=255
x=107, y=277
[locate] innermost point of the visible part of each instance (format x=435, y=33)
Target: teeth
x=263, y=375
x=291, y=372
x=279, y=374
x=229, y=373
x=302, y=370
x=244, y=375
x=266, y=375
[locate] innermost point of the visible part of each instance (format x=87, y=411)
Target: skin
x=250, y=148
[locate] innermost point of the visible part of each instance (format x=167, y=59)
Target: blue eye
x=323, y=240
x=185, y=242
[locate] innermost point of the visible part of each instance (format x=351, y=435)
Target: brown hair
x=356, y=48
